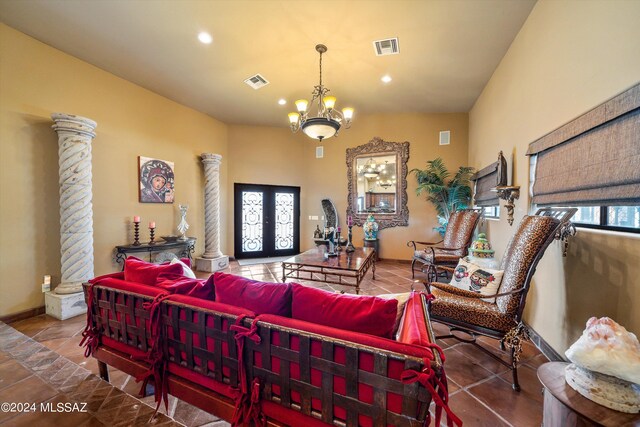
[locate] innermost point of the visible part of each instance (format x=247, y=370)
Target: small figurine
x=317, y=234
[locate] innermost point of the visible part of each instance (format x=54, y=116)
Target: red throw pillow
x=413, y=326
x=181, y=285
x=136, y=270
x=259, y=297
x=356, y=313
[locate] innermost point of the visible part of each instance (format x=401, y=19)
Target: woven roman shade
x=594, y=159
x=487, y=179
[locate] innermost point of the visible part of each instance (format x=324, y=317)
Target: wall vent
x=386, y=47
x=256, y=81
x=445, y=137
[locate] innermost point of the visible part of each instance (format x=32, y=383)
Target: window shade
x=594, y=159
x=488, y=178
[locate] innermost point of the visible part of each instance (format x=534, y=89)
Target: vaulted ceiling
x=448, y=49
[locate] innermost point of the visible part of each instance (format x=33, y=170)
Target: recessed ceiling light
x=386, y=78
x=205, y=38
x=282, y=101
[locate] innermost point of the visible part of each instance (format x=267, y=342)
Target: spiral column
x=75, y=135
x=212, y=259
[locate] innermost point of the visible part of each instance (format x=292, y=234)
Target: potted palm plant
x=447, y=195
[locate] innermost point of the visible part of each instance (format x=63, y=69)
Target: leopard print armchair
x=451, y=248
x=464, y=310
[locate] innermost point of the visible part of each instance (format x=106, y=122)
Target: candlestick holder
x=338, y=247
x=136, y=234
x=350, y=247
x=152, y=232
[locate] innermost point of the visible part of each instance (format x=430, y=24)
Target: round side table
x=369, y=243
x=565, y=407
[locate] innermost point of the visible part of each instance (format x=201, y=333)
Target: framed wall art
x=156, y=179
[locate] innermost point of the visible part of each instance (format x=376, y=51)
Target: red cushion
x=260, y=297
x=118, y=275
x=413, y=326
x=366, y=314
x=136, y=270
x=181, y=285
x=123, y=285
x=211, y=305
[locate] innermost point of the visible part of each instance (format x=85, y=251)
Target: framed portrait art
x=156, y=180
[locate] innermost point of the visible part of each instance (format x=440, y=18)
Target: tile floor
x=480, y=388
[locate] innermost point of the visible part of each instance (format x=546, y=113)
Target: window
x=492, y=212
x=617, y=218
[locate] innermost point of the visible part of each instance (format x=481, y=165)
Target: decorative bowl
x=170, y=238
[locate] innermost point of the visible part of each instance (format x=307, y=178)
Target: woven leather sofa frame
x=303, y=377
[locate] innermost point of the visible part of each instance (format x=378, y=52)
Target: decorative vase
x=183, y=226
x=481, y=253
x=370, y=228
x=481, y=248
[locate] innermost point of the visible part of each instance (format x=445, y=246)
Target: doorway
x=266, y=220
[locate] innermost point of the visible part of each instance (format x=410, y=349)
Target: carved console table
x=185, y=247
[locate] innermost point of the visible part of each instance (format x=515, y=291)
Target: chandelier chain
x=320, y=69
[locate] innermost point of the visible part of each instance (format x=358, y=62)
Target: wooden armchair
x=451, y=248
x=465, y=311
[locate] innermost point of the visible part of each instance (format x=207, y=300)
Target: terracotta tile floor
x=480, y=388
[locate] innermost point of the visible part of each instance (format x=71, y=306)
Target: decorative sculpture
x=606, y=365
x=183, y=226
x=509, y=193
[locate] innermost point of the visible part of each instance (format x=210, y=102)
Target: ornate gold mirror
x=377, y=179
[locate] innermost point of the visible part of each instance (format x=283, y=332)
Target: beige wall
x=276, y=156
x=37, y=80
x=569, y=57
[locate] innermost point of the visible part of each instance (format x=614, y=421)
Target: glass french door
x=266, y=220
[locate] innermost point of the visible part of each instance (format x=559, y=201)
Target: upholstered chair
x=451, y=248
x=465, y=311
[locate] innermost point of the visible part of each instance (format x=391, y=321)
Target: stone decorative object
x=183, y=226
x=75, y=135
x=606, y=365
x=370, y=228
x=212, y=259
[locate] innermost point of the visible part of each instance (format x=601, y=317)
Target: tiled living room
x=315, y=213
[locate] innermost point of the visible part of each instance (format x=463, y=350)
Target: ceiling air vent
x=256, y=81
x=386, y=47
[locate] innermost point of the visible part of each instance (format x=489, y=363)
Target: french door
x=266, y=220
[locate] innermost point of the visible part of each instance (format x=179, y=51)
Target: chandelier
x=328, y=120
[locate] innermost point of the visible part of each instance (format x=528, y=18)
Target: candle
x=152, y=224
x=338, y=229
x=136, y=218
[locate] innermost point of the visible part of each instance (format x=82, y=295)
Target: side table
x=185, y=247
x=565, y=407
x=375, y=244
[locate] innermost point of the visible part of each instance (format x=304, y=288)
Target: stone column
x=212, y=259
x=76, y=214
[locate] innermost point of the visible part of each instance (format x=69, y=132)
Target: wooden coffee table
x=346, y=269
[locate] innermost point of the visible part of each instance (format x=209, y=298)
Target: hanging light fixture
x=371, y=169
x=328, y=120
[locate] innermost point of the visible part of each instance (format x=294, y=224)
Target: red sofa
x=248, y=365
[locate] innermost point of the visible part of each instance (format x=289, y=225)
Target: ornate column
x=76, y=214
x=212, y=259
